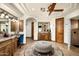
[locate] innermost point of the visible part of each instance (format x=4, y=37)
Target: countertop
x=6, y=38
x=44, y=32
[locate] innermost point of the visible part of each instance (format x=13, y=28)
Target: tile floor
x=74, y=51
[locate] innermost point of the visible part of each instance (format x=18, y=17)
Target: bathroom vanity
x=44, y=32
x=8, y=45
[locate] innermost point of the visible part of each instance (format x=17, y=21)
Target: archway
x=30, y=21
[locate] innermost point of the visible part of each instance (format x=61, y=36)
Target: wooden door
x=75, y=32
x=60, y=30
x=32, y=30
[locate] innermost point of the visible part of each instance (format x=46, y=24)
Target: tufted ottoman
x=43, y=48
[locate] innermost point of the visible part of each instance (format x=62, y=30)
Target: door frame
x=56, y=29
x=32, y=30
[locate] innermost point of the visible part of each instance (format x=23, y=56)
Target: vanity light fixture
x=2, y=15
x=6, y=15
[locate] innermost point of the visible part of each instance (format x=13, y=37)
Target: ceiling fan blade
x=58, y=10
x=51, y=8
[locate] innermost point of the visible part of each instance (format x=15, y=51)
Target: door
x=75, y=32
x=60, y=30
x=32, y=30
x=13, y=26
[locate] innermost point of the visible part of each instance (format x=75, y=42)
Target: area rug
x=29, y=51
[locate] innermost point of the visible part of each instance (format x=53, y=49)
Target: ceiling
x=34, y=9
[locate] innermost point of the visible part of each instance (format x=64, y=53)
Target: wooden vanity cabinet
x=7, y=48
x=2, y=51
x=14, y=45
x=44, y=36
x=44, y=32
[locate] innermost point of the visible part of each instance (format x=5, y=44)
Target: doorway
x=60, y=30
x=32, y=30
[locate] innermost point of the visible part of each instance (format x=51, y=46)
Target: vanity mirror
x=4, y=25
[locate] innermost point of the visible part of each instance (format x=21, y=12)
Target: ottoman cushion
x=43, y=47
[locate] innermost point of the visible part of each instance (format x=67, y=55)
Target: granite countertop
x=6, y=38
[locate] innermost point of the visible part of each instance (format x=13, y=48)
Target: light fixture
x=13, y=20
x=2, y=15
x=6, y=15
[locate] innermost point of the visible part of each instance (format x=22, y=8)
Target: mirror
x=43, y=26
x=4, y=25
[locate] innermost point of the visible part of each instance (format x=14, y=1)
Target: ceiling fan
x=51, y=8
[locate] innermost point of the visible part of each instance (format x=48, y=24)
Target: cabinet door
x=13, y=26
x=46, y=37
x=15, y=43
x=7, y=50
x=2, y=50
x=21, y=22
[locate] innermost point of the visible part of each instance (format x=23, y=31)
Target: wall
x=53, y=25
x=36, y=31
x=28, y=29
x=67, y=30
